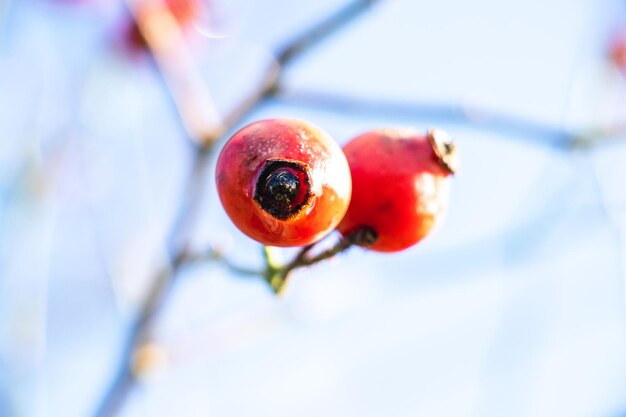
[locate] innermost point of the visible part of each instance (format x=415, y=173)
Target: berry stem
x=303, y=252
x=272, y=268
x=277, y=276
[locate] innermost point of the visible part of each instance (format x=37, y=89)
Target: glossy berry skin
x=400, y=185
x=283, y=182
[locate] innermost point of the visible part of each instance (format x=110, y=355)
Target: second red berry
x=400, y=185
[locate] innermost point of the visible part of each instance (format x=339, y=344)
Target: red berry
x=617, y=49
x=400, y=183
x=183, y=12
x=283, y=182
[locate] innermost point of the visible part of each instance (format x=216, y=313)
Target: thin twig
x=361, y=237
x=124, y=378
x=479, y=118
x=215, y=255
x=160, y=287
x=277, y=276
x=317, y=33
x=303, y=252
x=178, y=69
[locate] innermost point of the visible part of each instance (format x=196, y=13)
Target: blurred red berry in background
x=617, y=49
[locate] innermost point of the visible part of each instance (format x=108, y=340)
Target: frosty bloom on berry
x=283, y=182
x=400, y=185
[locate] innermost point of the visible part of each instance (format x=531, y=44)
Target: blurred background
x=515, y=306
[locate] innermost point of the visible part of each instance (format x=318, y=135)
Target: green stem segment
x=273, y=274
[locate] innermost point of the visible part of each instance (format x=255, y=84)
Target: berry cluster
x=287, y=183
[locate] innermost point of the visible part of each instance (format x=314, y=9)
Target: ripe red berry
x=400, y=183
x=283, y=182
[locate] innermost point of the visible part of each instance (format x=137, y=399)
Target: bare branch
x=206, y=134
x=178, y=69
x=215, y=255
x=317, y=33
x=473, y=117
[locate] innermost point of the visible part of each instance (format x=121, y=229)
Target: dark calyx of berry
x=363, y=236
x=444, y=150
x=283, y=188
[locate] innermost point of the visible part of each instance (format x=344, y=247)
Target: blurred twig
x=483, y=119
x=616, y=218
x=217, y=256
x=6, y=402
x=480, y=118
x=205, y=140
x=177, y=67
x=276, y=272
x=124, y=377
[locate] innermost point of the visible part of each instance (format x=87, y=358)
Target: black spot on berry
x=283, y=188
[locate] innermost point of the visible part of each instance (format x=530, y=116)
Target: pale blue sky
x=514, y=307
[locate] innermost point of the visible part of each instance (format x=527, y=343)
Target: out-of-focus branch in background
x=482, y=119
x=190, y=94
